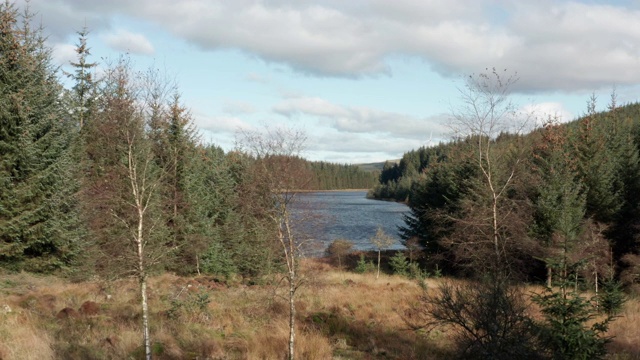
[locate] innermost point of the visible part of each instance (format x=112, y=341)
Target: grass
x=341, y=315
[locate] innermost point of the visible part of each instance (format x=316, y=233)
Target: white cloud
x=541, y=112
x=311, y=106
x=566, y=45
x=125, y=41
x=257, y=78
x=235, y=107
x=63, y=54
x=361, y=119
x=226, y=125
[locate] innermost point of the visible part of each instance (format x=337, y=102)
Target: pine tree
x=38, y=217
x=83, y=92
x=595, y=149
x=561, y=203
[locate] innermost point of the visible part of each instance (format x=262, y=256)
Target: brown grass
x=341, y=315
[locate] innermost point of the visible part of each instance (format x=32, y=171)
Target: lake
x=322, y=217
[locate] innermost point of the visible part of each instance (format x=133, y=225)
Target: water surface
x=322, y=217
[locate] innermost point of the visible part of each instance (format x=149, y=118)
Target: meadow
x=340, y=315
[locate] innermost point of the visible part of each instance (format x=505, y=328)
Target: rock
x=67, y=313
x=89, y=308
x=5, y=309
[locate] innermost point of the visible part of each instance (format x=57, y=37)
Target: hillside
x=377, y=166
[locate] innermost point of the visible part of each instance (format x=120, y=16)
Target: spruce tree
x=83, y=92
x=560, y=204
x=38, y=218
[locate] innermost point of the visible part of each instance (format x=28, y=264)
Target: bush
x=399, y=264
x=364, y=266
x=489, y=319
x=218, y=261
x=338, y=250
x=611, y=298
x=568, y=330
x=416, y=273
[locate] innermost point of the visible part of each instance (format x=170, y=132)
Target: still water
x=322, y=217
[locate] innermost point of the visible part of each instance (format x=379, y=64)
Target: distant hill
x=376, y=166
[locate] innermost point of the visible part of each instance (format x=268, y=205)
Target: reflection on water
x=322, y=217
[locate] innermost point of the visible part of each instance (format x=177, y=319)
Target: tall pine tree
x=38, y=218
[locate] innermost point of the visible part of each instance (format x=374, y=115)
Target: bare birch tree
x=381, y=241
x=123, y=183
x=143, y=184
x=486, y=114
x=277, y=152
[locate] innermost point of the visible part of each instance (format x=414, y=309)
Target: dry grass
x=341, y=315
x=626, y=332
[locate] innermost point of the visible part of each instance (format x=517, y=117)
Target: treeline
x=329, y=176
x=559, y=205
x=111, y=178
x=571, y=189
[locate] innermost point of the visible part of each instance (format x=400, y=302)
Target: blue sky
x=366, y=79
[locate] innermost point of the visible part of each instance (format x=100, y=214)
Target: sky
x=366, y=80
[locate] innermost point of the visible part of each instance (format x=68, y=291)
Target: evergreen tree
x=560, y=204
x=83, y=92
x=38, y=215
x=596, y=151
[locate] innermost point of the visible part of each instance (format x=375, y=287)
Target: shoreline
x=336, y=190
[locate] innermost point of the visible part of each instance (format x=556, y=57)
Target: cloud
x=356, y=147
x=226, y=125
x=553, y=45
x=257, y=78
x=126, y=41
x=362, y=119
x=234, y=107
x=63, y=54
x=544, y=111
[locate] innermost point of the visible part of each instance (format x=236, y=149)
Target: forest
x=554, y=204
x=69, y=157
x=579, y=179
x=171, y=248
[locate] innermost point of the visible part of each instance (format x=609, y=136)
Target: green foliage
x=434, y=201
x=569, y=329
x=400, y=264
x=193, y=303
x=216, y=260
x=364, y=266
x=489, y=318
x=39, y=226
x=573, y=172
x=329, y=176
x=611, y=298
x=81, y=98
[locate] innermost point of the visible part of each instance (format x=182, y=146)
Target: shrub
x=399, y=264
x=338, y=250
x=568, y=330
x=488, y=317
x=415, y=272
x=364, y=266
x=611, y=298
